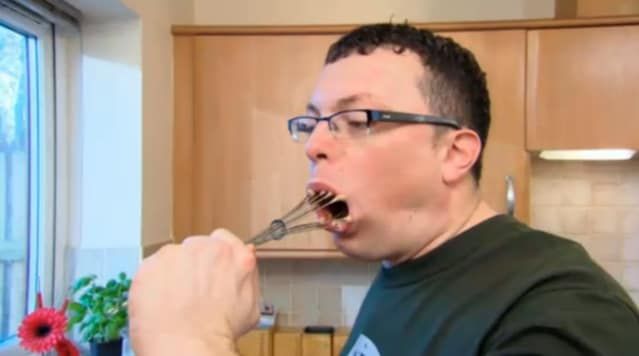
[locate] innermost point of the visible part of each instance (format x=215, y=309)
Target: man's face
x=392, y=177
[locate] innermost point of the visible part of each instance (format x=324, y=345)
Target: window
x=26, y=164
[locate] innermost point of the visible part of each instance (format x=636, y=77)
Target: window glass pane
x=14, y=178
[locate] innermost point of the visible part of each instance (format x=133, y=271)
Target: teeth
x=323, y=218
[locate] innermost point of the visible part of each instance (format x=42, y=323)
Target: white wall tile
x=546, y=218
x=604, y=248
x=605, y=193
x=575, y=192
x=545, y=191
x=574, y=220
x=603, y=220
x=352, y=298
x=631, y=249
x=615, y=269
x=606, y=223
x=630, y=221
x=631, y=276
x=278, y=294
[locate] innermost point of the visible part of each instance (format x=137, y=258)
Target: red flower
x=42, y=330
x=66, y=348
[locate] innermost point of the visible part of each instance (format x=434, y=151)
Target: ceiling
x=102, y=10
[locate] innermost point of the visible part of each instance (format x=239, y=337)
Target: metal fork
x=281, y=227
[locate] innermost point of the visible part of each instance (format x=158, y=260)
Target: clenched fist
x=196, y=298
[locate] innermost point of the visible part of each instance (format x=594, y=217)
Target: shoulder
x=568, y=321
x=570, y=305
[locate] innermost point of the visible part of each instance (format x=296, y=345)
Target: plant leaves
x=112, y=332
x=83, y=282
x=77, y=308
x=74, y=320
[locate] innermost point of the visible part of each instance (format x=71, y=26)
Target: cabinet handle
x=510, y=195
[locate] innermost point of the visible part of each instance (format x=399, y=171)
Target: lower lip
x=342, y=228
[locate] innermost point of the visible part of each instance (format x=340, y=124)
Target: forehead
x=382, y=79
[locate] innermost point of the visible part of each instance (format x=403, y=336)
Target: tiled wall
x=311, y=292
x=594, y=203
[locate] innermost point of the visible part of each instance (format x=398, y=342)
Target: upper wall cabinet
x=235, y=164
x=506, y=164
x=583, y=88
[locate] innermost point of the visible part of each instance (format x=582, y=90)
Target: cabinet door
x=582, y=88
x=502, y=55
x=246, y=169
x=287, y=343
x=256, y=343
x=317, y=345
x=339, y=340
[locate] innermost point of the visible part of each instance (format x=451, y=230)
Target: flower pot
x=111, y=348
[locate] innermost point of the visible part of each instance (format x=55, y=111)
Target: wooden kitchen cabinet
x=245, y=170
x=339, y=340
x=506, y=163
x=582, y=88
x=236, y=166
x=287, y=342
x=256, y=343
x=317, y=344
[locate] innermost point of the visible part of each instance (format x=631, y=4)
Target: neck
x=460, y=218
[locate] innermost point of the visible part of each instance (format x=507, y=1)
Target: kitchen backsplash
x=594, y=203
x=310, y=292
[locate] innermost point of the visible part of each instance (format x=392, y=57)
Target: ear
x=462, y=152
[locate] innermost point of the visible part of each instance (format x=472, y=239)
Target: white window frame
x=42, y=254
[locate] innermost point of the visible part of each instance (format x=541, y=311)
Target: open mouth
x=338, y=209
x=332, y=210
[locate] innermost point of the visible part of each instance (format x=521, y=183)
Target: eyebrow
x=342, y=103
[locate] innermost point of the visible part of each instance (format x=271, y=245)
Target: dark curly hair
x=454, y=85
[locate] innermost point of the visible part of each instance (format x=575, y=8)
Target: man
x=396, y=124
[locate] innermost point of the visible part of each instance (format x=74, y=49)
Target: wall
x=123, y=191
x=312, y=292
x=596, y=204
x=105, y=199
x=156, y=17
x=252, y=12
x=111, y=130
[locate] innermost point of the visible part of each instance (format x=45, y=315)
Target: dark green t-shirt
x=500, y=288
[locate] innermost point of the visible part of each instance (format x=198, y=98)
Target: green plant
x=99, y=311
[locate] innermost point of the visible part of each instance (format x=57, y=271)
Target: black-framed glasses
x=357, y=122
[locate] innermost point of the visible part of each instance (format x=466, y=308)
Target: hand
x=202, y=294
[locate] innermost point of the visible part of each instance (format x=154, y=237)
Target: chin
x=355, y=247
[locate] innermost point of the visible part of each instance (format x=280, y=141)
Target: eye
x=352, y=119
x=356, y=124
x=305, y=125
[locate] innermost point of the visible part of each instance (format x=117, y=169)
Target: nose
x=319, y=143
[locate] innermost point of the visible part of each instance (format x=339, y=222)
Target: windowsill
x=11, y=347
